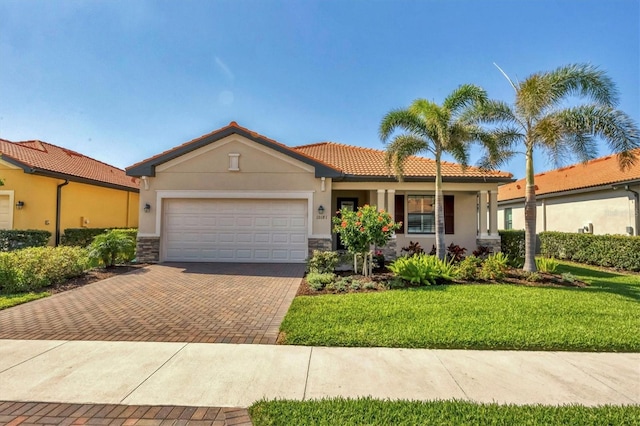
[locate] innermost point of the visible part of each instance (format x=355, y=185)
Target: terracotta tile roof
x=358, y=161
x=598, y=172
x=50, y=158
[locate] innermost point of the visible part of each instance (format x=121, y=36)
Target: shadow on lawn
x=601, y=281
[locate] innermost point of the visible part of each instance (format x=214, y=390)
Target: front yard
x=368, y=411
x=604, y=316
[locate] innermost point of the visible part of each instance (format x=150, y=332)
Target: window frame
x=508, y=218
x=409, y=214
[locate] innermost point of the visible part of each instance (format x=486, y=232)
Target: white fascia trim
x=247, y=194
x=12, y=205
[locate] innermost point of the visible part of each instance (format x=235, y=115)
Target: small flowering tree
x=359, y=230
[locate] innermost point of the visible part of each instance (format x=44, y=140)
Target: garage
x=235, y=230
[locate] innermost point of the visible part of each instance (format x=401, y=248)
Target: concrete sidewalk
x=229, y=375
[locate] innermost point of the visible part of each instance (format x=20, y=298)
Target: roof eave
x=148, y=167
x=608, y=186
x=78, y=179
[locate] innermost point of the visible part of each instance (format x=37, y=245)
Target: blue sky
x=123, y=80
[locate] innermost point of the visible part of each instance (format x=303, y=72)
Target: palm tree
x=435, y=129
x=541, y=119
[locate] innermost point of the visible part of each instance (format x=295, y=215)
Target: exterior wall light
x=321, y=210
x=147, y=208
x=19, y=205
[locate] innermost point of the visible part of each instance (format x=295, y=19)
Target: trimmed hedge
x=615, y=251
x=37, y=267
x=82, y=237
x=16, y=239
x=512, y=243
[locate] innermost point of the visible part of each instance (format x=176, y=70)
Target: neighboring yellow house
x=52, y=188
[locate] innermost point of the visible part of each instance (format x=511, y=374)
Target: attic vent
x=234, y=162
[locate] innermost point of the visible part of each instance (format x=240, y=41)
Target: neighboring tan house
x=234, y=195
x=595, y=197
x=52, y=188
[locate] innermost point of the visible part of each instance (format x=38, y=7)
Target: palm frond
x=400, y=148
x=540, y=92
x=498, y=145
x=401, y=119
x=491, y=112
x=582, y=123
x=464, y=97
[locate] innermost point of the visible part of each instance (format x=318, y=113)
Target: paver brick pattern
x=175, y=302
x=36, y=413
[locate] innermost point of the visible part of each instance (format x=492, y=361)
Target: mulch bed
x=92, y=276
x=513, y=276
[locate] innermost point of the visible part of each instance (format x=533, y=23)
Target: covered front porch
x=471, y=216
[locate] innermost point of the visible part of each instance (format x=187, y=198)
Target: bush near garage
x=16, y=239
x=614, y=251
x=112, y=247
x=82, y=237
x=37, y=267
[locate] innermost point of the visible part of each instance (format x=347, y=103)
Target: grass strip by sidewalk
x=368, y=411
x=602, y=317
x=9, y=300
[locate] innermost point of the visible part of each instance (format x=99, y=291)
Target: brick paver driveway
x=196, y=302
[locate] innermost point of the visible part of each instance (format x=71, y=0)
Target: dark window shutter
x=399, y=212
x=448, y=214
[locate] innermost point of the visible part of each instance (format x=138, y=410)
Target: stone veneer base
x=148, y=249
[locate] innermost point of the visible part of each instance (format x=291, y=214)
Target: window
x=508, y=219
x=421, y=214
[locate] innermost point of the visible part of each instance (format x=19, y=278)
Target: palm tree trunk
x=440, y=246
x=530, y=214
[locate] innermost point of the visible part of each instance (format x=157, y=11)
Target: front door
x=350, y=204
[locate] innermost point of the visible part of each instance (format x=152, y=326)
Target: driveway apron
x=171, y=302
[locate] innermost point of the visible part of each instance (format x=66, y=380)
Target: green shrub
x=512, y=243
x=318, y=281
x=494, y=267
x=16, y=239
x=468, y=269
x=547, y=264
x=36, y=267
x=113, y=247
x=615, y=251
x=422, y=269
x=82, y=237
x=323, y=261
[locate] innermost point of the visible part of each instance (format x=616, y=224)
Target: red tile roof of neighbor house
x=51, y=159
x=357, y=161
x=598, y=172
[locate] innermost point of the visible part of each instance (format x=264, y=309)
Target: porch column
x=483, y=214
x=380, y=204
x=391, y=203
x=493, y=212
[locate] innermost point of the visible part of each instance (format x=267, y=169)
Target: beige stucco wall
x=609, y=211
x=262, y=170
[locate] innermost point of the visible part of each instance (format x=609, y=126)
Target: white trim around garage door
x=11, y=204
x=209, y=194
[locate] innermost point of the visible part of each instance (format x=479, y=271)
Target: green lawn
x=367, y=411
x=9, y=300
x=602, y=317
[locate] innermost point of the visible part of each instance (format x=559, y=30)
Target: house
x=52, y=188
x=595, y=197
x=235, y=195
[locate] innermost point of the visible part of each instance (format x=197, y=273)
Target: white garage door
x=224, y=230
